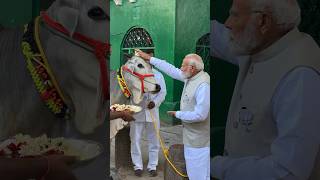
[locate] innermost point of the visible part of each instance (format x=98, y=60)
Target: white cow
x=76, y=69
x=139, y=78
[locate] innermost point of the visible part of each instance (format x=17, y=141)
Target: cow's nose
x=158, y=87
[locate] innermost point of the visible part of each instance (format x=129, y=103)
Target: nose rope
x=144, y=80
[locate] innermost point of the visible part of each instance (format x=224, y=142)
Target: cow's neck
x=116, y=95
x=126, y=77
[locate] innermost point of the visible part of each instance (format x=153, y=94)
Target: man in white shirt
x=194, y=111
x=144, y=121
x=273, y=121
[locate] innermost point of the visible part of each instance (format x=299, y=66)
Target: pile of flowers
x=123, y=107
x=26, y=146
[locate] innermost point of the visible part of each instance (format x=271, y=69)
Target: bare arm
x=125, y=115
x=22, y=168
x=162, y=65
x=53, y=167
x=219, y=43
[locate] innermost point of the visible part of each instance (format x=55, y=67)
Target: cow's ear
x=127, y=56
x=131, y=63
x=67, y=14
x=130, y=66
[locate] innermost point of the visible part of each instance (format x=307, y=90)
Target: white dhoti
x=197, y=162
x=136, y=132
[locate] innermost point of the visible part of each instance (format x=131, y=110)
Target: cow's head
x=86, y=17
x=77, y=67
x=140, y=78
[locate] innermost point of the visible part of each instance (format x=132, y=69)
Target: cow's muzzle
x=157, y=89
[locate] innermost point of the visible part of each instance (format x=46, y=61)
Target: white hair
x=285, y=12
x=195, y=60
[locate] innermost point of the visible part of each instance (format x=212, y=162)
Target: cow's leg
x=122, y=148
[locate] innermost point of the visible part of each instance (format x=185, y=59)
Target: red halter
x=100, y=50
x=140, y=76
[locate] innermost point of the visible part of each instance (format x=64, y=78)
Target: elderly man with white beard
x=273, y=120
x=194, y=111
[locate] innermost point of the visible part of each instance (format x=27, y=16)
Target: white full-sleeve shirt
x=295, y=105
x=202, y=95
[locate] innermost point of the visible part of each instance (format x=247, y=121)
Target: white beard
x=245, y=43
x=186, y=75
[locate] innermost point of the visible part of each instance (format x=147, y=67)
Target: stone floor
x=170, y=135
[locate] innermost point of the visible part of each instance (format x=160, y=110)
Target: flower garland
x=41, y=73
x=122, y=83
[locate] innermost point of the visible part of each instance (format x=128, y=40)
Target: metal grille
x=136, y=37
x=203, y=50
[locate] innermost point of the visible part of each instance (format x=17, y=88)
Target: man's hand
x=142, y=54
x=59, y=167
x=151, y=105
x=172, y=113
x=68, y=160
x=127, y=115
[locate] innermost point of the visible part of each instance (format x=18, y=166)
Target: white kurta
x=197, y=159
x=144, y=122
x=296, y=111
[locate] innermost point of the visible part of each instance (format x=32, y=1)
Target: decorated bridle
x=100, y=50
x=41, y=73
x=138, y=75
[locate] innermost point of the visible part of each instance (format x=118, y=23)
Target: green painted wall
x=225, y=75
x=150, y=15
x=192, y=22
x=310, y=14
x=174, y=26
x=15, y=13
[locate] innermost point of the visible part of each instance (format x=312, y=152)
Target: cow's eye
x=96, y=13
x=140, y=66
